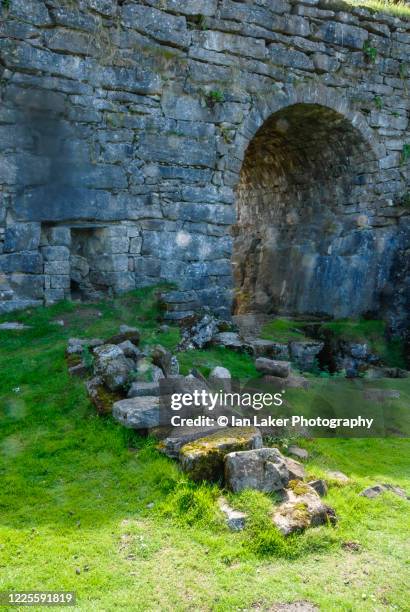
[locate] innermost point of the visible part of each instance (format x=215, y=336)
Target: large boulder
x=112, y=366
x=179, y=436
x=139, y=413
x=281, y=369
x=302, y=508
x=262, y=469
x=203, y=459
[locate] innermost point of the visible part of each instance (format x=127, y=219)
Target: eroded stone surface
x=263, y=469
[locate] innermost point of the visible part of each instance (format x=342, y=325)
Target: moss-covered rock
x=302, y=508
x=203, y=459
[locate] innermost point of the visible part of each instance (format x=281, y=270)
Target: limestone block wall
x=173, y=129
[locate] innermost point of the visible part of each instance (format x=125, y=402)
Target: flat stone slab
x=143, y=389
x=291, y=382
x=14, y=326
x=179, y=436
x=281, y=369
x=228, y=340
x=338, y=476
x=378, y=489
x=137, y=412
x=203, y=459
x=298, y=452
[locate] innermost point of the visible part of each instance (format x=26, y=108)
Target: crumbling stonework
x=187, y=138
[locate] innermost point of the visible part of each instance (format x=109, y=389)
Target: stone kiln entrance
x=303, y=241
x=88, y=253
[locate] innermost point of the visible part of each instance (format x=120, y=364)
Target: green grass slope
x=86, y=505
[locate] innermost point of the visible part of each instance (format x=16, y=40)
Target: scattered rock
x=338, y=476
x=303, y=508
x=14, y=326
x=381, y=395
x=126, y=333
x=304, y=354
x=200, y=334
x=234, y=518
x=262, y=348
x=142, y=389
x=298, y=452
x=229, y=340
x=295, y=469
x=319, y=486
x=263, y=469
x=220, y=379
x=80, y=370
x=102, y=398
x=204, y=458
x=165, y=360
x=112, y=365
x=76, y=346
x=351, y=546
x=59, y=322
x=148, y=372
x=378, y=489
x=138, y=412
x=281, y=369
x=164, y=328
x=296, y=606
x=129, y=349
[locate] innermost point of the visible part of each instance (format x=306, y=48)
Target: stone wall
x=180, y=132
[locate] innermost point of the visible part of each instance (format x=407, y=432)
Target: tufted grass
x=398, y=9
x=86, y=505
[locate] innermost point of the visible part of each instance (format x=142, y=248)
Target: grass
x=283, y=330
x=398, y=9
x=86, y=505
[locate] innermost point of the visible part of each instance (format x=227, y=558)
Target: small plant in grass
x=378, y=102
x=370, y=52
x=6, y=4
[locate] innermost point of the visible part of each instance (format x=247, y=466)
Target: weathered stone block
x=22, y=237
x=161, y=26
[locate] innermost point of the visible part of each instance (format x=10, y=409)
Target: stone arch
x=303, y=242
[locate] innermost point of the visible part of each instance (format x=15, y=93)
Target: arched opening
x=303, y=242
